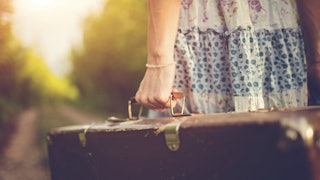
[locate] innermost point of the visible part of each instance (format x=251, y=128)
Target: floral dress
x=240, y=55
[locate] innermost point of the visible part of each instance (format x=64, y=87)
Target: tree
x=25, y=80
x=108, y=67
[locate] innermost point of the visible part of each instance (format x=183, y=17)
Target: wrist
x=158, y=58
x=160, y=65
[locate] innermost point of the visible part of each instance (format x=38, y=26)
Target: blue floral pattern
x=225, y=66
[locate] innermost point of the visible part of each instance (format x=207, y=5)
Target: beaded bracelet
x=159, y=65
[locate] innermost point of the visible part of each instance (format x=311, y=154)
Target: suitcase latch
x=171, y=134
x=301, y=128
x=83, y=136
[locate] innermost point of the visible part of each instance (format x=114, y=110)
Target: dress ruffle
x=243, y=70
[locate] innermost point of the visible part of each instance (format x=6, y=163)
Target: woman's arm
x=156, y=86
x=162, y=29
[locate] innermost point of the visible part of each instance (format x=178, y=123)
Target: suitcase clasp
x=171, y=134
x=301, y=128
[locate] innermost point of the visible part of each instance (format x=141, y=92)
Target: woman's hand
x=156, y=87
x=157, y=84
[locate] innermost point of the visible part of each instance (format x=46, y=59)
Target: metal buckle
x=303, y=128
x=171, y=135
x=177, y=95
x=130, y=103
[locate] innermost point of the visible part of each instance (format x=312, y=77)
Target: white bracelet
x=159, y=65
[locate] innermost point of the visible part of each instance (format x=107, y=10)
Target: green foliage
x=9, y=65
x=26, y=81
x=24, y=78
x=39, y=79
x=109, y=66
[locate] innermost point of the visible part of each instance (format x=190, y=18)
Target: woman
x=224, y=55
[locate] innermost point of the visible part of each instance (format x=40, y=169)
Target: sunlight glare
x=41, y=3
x=52, y=27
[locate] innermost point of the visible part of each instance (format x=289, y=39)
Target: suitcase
x=266, y=144
x=308, y=12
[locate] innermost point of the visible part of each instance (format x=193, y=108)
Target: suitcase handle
x=132, y=101
x=173, y=95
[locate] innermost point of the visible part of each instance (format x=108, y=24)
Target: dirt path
x=77, y=116
x=21, y=159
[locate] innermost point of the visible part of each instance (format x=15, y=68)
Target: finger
x=163, y=101
x=159, y=110
x=149, y=102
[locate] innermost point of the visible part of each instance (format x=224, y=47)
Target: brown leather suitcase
x=309, y=18
x=278, y=144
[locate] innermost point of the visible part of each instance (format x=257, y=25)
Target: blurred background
x=63, y=62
